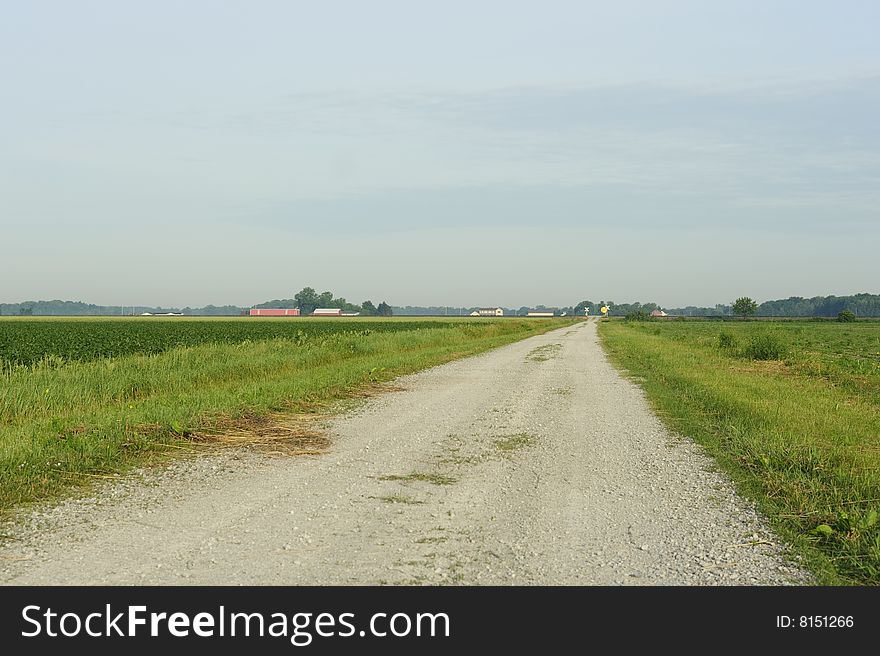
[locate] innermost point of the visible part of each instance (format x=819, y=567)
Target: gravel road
x=535, y=463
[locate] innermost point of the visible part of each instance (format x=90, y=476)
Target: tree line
x=307, y=299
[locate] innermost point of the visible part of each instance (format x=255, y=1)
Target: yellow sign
x=604, y=309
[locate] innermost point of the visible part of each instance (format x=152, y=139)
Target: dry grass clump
x=282, y=434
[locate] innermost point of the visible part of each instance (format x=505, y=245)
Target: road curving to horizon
x=536, y=463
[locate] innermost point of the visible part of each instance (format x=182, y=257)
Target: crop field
x=791, y=410
x=24, y=342
x=82, y=400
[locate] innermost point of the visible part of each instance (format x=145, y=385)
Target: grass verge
x=799, y=436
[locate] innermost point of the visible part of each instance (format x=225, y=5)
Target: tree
x=306, y=300
x=368, y=309
x=744, y=306
x=325, y=299
x=846, y=316
x=384, y=310
x=580, y=307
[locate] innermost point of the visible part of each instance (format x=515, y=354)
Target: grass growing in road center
x=790, y=410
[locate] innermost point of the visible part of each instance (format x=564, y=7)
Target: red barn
x=274, y=312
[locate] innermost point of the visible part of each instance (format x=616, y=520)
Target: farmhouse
x=274, y=312
x=488, y=312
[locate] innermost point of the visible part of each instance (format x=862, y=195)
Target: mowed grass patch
x=800, y=435
x=66, y=424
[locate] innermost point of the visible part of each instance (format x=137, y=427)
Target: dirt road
x=535, y=463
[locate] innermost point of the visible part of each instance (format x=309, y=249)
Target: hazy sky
x=475, y=153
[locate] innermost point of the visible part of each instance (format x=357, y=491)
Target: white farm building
x=488, y=312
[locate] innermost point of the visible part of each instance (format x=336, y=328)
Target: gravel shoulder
x=535, y=463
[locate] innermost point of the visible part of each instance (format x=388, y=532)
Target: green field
x=791, y=410
x=26, y=341
x=70, y=414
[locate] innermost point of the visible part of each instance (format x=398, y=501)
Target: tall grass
x=61, y=424
x=799, y=435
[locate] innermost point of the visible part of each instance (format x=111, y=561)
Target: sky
x=426, y=153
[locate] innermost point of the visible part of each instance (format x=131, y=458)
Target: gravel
x=513, y=467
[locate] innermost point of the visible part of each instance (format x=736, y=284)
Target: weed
x=727, y=340
x=765, y=346
x=544, y=353
x=436, y=479
x=399, y=498
x=514, y=442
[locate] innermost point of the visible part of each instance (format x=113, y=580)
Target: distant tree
x=846, y=316
x=744, y=306
x=580, y=307
x=325, y=299
x=368, y=309
x=306, y=300
x=384, y=310
x=282, y=303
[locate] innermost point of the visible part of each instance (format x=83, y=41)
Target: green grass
x=434, y=478
x=66, y=423
x=799, y=431
x=400, y=498
x=514, y=442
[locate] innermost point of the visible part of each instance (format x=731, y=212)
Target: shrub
x=726, y=340
x=638, y=315
x=765, y=346
x=846, y=316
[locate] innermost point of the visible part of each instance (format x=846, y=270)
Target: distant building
x=274, y=312
x=488, y=312
x=539, y=314
x=327, y=312
x=659, y=313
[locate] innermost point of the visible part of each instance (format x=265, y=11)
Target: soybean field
x=25, y=342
